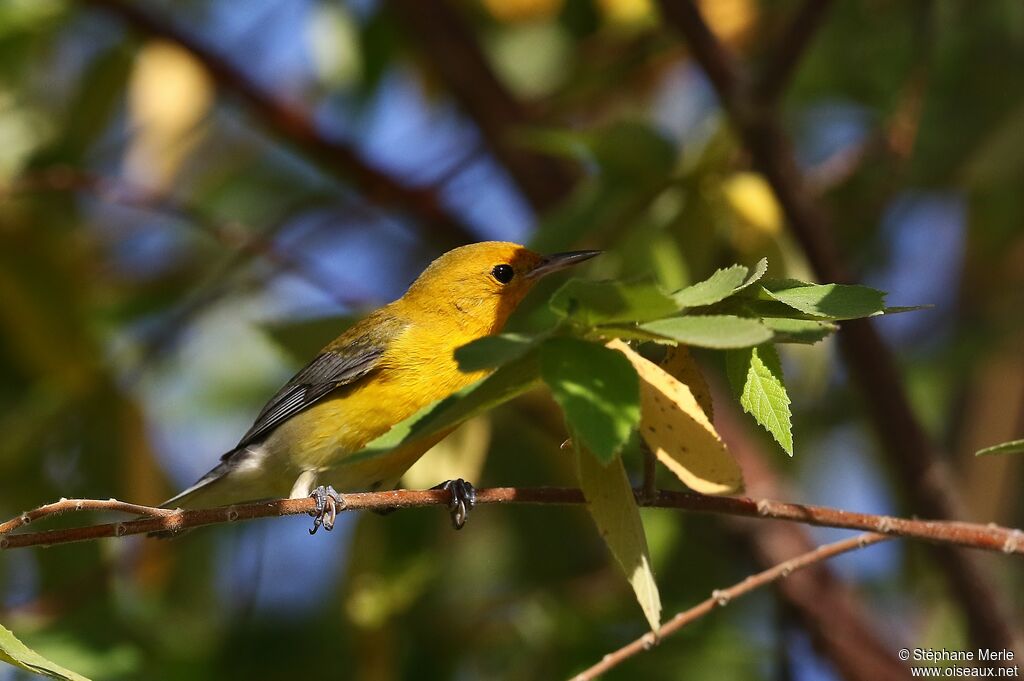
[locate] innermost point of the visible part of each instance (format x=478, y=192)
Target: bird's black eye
x=503, y=273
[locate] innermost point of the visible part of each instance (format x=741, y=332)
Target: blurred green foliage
x=148, y=306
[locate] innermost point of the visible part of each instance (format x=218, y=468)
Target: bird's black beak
x=559, y=261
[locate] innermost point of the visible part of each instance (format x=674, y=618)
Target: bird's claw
x=462, y=501
x=328, y=502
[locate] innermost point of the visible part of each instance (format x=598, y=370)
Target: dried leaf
x=679, y=363
x=678, y=431
x=612, y=506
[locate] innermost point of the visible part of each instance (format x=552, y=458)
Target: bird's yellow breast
x=417, y=369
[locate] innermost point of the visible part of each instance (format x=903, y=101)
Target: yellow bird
x=382, y=370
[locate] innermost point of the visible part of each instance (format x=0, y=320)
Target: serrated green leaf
x=303, y=338
x=492, y=351
x=711, y=331
x=756, y=375
x=832, y=301
x=799, y=330
x=1011, y=447
x=718, y=286
x=760, y=269
x=597, y=389
x=14, y=652
x=613, y=507
x=604, y=302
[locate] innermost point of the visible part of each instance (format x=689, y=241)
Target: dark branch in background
x=838, y=623
x=722, y=597
x=973, y=535
x=292, y=123
x=449, y=46
x=919, y=467
x=791, y=46
x=231, y=234
x=240, y=240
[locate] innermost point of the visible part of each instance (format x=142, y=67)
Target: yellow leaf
x=460, y=455
x=730, y=20
x=627, y=11
x=612, y=505
x=678, y=431
x=679, y=363
x=169, y=94
x=753, y=202
x=512, y=11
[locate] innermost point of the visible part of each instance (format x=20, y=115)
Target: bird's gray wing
x=347, y=360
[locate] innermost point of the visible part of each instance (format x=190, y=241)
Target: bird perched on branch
x=382, y=370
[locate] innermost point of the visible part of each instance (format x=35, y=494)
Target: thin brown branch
x=790, y=49
x=973, y=535
x=721, y=598
x=842, y=626
x=293, y=123
x=717, y=61
x=920, y=468
x=231, y=234
x=450, y=47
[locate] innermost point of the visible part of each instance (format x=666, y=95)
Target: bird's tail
x=205, y=493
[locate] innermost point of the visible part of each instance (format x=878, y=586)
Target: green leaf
x=632, y=153
x=613, y=507
x=799, y=330
x=759, y=271
x=1011, y=447
x=492, y=351
x=633, y=333
x=99, y=94
x=304, y=338
x=756, y=375
x=718, y=286
x=597, y=389
x=436, y=420
x=899, y=309
x=628, y=153
x=598, y=302
x=711, y=331
x=833, y=301
x=18, y=654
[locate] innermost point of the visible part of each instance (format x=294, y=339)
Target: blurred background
x=195, y=195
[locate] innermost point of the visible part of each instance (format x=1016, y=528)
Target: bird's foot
x=328, y=502
x=462, y=502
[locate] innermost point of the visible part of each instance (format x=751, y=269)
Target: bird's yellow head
x=478, y=286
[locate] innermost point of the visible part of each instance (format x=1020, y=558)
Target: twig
x=921, y=471
x=450, y=46
x=973, y=535
x=68, y=505
x=231, y=234
x=792, y=46
x=721, y=598
x=649, y=486
x=293, y=123
x=842, y=626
